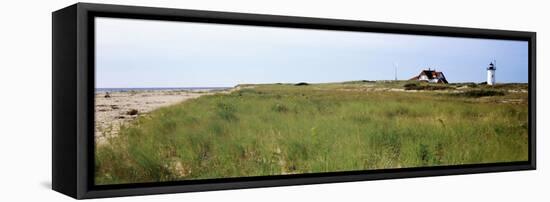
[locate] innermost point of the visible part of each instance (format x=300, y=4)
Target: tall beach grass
x=288, y=129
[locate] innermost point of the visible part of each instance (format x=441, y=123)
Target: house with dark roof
x=431, y=76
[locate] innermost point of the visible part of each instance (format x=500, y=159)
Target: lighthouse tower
x=491, y=73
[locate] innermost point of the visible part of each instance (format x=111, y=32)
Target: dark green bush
x=480, y=93
x=414, y=86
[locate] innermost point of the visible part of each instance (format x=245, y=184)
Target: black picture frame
x=73, y=99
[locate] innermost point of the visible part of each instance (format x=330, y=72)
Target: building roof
x=432, y=74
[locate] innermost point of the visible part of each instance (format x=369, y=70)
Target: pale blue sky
x=149, y=53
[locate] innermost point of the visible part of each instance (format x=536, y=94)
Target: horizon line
x=232, y=86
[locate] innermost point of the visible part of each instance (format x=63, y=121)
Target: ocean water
x=103, y=90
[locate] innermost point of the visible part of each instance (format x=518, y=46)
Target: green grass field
x=286, y=129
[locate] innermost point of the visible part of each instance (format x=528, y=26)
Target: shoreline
x=116, y=108
x=157, y=89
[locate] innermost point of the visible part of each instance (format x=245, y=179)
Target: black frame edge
x=533, y=99
x=298, y=181
x=85, y=110
x=64, y=65
x=173, y=14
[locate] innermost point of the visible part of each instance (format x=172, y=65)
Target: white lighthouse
x=491, y=73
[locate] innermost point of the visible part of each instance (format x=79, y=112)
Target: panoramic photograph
x=179, y=101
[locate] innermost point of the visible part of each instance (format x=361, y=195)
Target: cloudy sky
x=148, y=53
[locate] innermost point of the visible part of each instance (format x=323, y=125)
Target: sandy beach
x=114, y=109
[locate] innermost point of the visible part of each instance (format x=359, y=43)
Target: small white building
x=491, y=73
x=431, y=76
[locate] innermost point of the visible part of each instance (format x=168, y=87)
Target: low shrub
x=480, y=93
x=410, y=86
x=414, y=86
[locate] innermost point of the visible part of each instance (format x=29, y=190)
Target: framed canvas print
x=157, y=100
